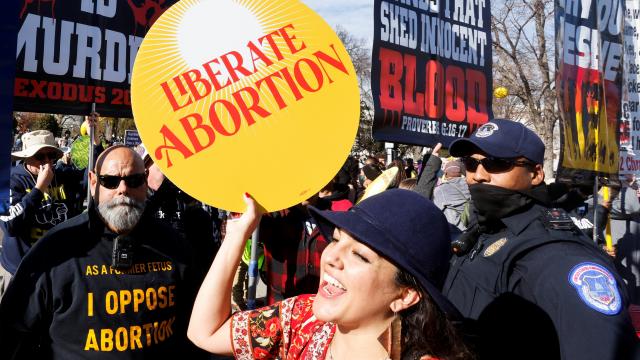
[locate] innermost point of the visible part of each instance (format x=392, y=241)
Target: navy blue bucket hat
x=501, y=138
x=405, y=228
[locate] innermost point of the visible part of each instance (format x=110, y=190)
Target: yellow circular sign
x=235, y=96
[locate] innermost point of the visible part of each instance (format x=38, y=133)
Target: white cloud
x=356, y=16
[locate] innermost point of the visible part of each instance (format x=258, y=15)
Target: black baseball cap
x=501, y=138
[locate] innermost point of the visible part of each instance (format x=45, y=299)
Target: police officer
x=531, y=285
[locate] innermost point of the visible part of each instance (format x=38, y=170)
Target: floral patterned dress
x=285, y=330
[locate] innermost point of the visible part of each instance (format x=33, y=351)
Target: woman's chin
x=325, y=309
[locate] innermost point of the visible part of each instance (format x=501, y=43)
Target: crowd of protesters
x=471, y=256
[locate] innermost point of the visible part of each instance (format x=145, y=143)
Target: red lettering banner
x=73, y=54
x=431, y=76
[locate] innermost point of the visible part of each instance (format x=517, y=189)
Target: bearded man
x=109, y=283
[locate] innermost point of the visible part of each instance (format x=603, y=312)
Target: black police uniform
x=539, y=289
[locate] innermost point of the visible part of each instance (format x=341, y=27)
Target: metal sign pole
x=253, y=270
x=595, y=211
x=92, y=135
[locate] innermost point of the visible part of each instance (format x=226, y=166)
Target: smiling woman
x=376, y=269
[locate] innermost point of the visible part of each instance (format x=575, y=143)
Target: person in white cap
x=42, y=196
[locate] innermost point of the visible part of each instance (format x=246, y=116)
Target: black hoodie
x=33, y=213
x=67, y=301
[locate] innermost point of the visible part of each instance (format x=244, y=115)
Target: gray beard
x=121, y=214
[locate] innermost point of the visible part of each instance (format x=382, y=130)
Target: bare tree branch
x=521, y=63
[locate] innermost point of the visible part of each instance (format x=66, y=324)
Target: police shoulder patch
x=597, y=287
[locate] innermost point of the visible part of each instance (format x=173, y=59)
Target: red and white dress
x=285, y=330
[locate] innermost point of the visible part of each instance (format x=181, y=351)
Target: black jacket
x=67, y=301
x=33, y=213
x=532, y=291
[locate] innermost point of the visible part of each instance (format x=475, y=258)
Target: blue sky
x=356, y=16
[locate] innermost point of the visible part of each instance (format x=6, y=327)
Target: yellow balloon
x=500, y=92
x=84, y=129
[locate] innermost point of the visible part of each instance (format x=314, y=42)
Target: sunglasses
x=46, y=156
x=132, y=181
x=494, y=165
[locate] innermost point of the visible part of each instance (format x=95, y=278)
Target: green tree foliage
x=125, y=124
x=119, y=125
x=47, y=122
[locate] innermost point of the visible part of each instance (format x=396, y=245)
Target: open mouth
x=330, y=287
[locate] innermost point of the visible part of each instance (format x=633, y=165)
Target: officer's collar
x=517, y=223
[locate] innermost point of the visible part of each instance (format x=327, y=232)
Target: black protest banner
x=431, y=75
x=74, y=53
x=589, y=83
x=8, y=31
x=132, y=138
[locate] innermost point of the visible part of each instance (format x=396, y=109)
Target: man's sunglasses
x=132, y=181
x=46, y=156
x=494, y=165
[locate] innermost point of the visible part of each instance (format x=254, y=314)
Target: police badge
x=597, y=287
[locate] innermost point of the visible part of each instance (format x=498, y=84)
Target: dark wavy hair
x=426, y=330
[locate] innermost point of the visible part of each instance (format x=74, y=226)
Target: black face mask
x=494, y=203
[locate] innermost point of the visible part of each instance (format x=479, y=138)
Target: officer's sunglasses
x=494, y=165
x=46, y=156
x=132, y=181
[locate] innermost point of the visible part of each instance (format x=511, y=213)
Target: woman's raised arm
x=209, y=323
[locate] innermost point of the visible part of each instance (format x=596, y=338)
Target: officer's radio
x=123, y=249
x=465, y=242
x=557, y=219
